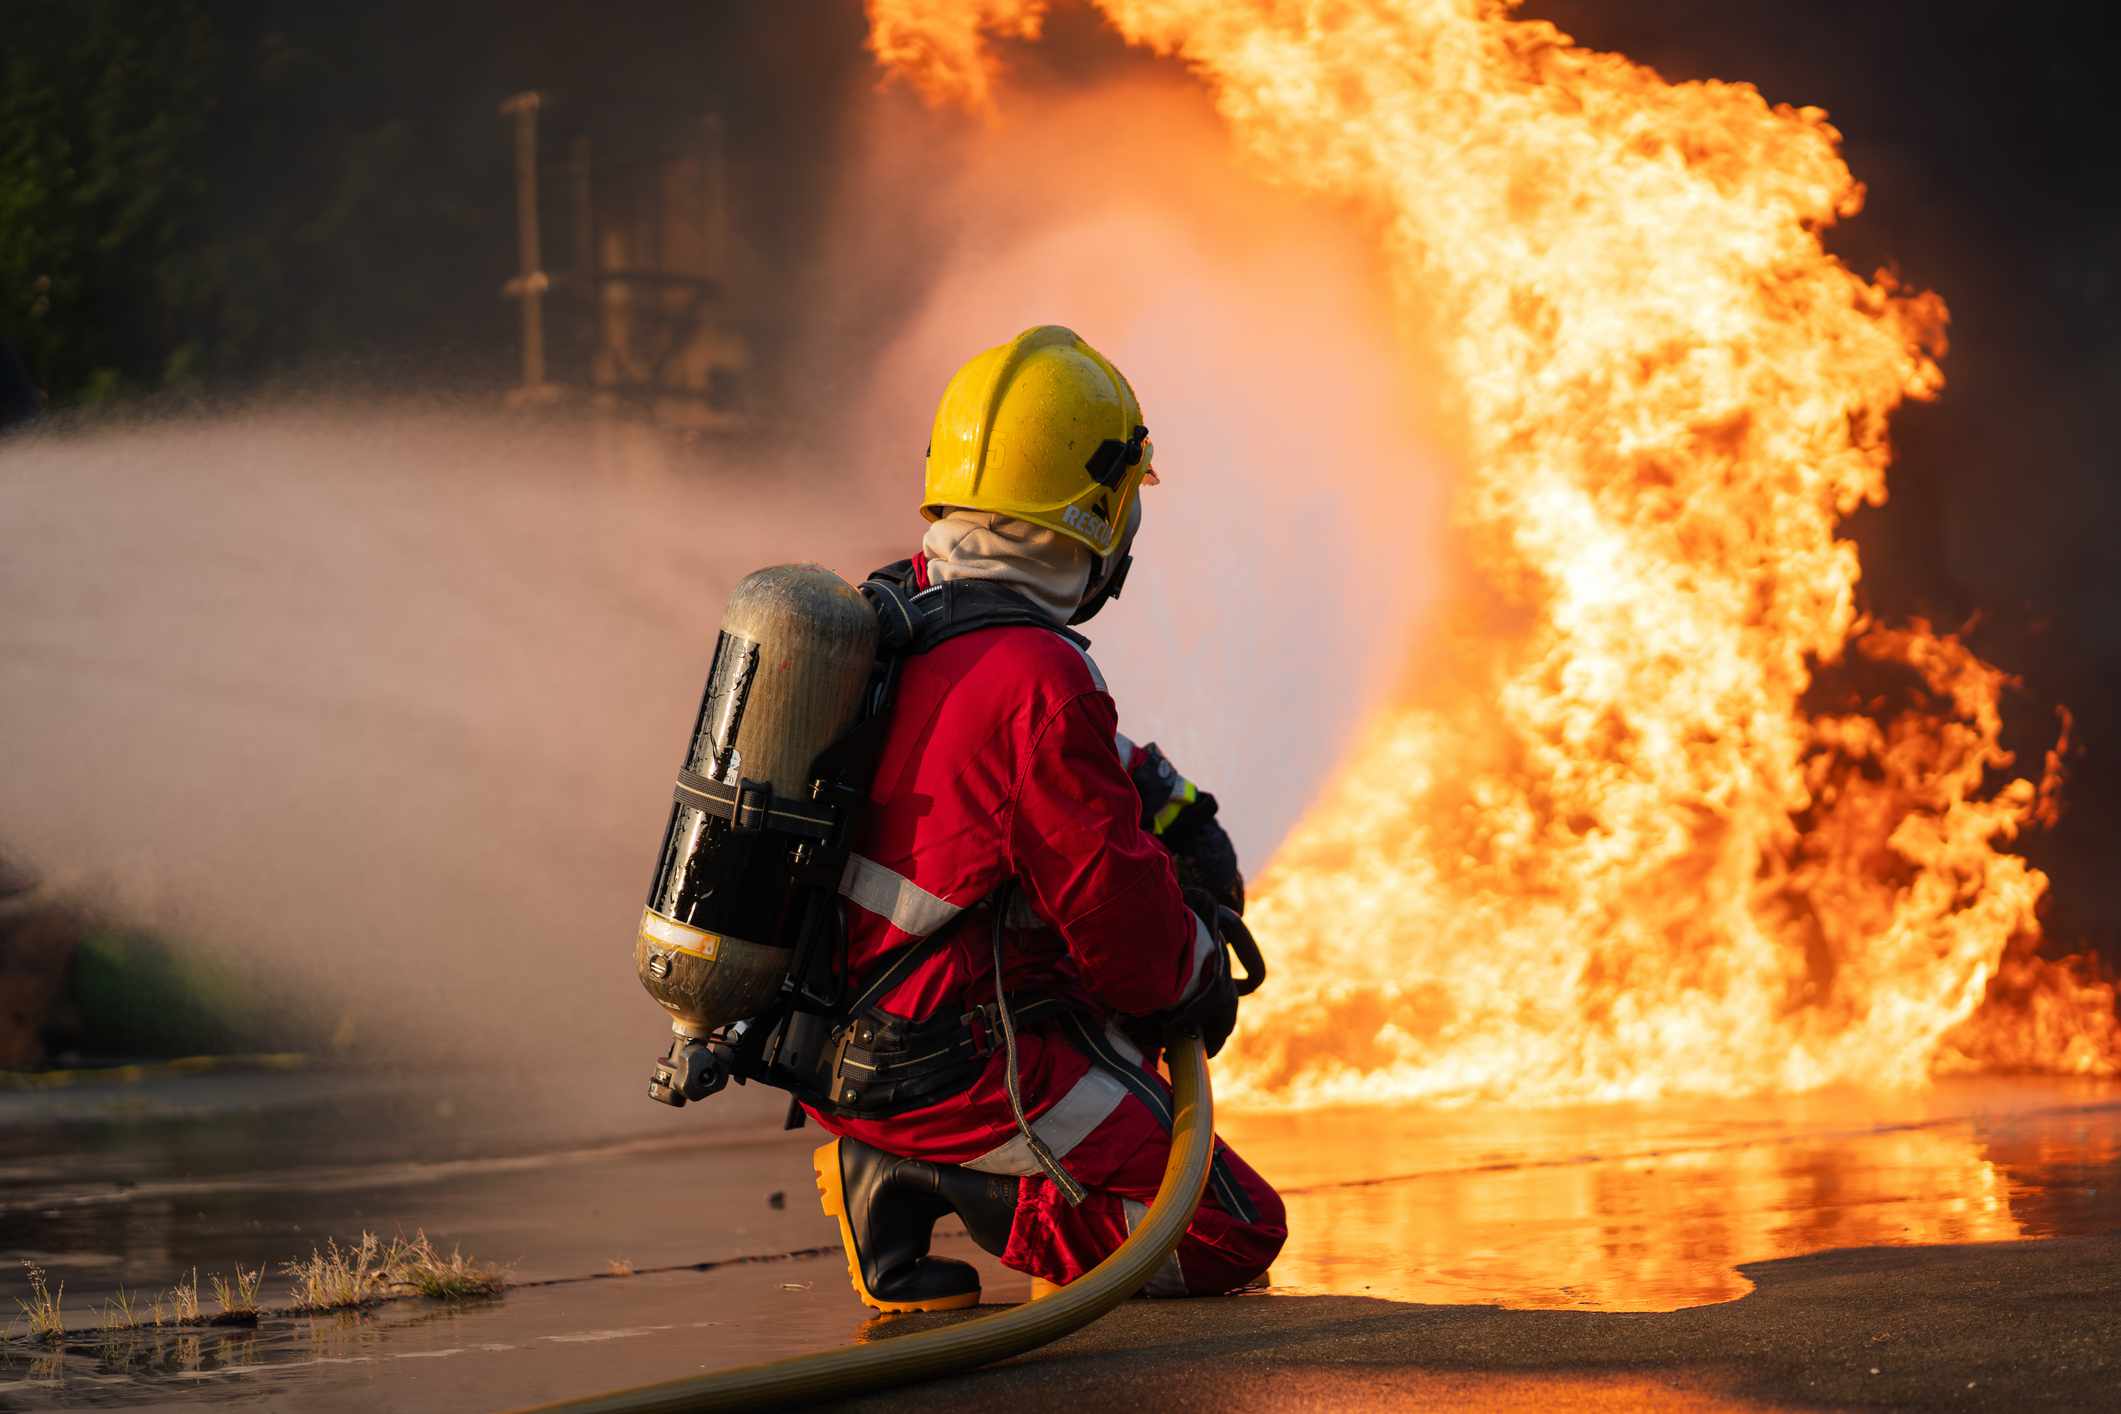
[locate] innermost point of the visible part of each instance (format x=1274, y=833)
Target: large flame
x=1616, y=849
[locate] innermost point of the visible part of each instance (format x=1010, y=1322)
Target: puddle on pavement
x=1654, y=1208
x=1617, y=1208
x=532, y=1345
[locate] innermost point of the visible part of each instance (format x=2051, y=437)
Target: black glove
x=1211, y=1012
x=1182, y=817
x=1208, y=861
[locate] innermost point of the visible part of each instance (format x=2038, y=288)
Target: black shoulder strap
x=890, y=592
x=897, y=970
x=916, y=620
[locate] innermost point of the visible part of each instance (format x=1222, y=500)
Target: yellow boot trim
x=833, y=1196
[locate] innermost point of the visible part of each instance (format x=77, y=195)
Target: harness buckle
x=837, y=1091
x=979, y=1025
x=754, y=797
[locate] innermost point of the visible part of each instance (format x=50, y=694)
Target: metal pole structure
x=587, y=259
x=530, y=282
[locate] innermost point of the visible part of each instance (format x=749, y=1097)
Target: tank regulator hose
x=966, y=1345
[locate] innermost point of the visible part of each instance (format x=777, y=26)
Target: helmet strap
x=1107, y=587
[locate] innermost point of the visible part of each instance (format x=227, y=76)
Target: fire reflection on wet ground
x=1616, y=1209
x=1654, y=1208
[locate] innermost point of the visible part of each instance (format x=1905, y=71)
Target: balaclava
x=1046, y=567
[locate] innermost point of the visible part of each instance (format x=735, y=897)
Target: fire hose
x=955, y=1349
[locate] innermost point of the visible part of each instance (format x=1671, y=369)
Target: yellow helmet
x=1044, y=429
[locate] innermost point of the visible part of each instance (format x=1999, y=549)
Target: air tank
x=796, y=650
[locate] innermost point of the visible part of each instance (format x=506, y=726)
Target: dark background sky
x=328, y=201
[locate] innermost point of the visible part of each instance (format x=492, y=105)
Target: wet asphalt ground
x=1960, y=1248
x=2007, y=1326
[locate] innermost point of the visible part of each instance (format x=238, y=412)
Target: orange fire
x=1610, y=850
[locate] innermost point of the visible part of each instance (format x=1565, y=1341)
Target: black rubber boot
x=986, y=1202
x=887, y=1207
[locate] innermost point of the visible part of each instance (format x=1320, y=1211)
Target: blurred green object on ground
x=134, y=995
x=76, y=988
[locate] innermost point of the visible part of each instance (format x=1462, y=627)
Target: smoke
x=1293, y=538
x=381, y=699
x=384, y=699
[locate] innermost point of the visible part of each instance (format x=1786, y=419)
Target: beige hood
x=1043, y=565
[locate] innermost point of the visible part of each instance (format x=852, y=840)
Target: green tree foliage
x=226, y=194
x=244, y=190
x=104, y=108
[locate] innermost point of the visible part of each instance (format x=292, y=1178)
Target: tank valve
x=689, y=1070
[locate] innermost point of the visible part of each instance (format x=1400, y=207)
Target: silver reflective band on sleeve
x=1091, y=663
x=1204, y=946
x=1170, y=1279
x=890, y=894
x=1117, y=1040
x=1063, y=1127
x=1125, y=744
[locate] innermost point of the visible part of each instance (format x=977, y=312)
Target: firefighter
x=1015, y=916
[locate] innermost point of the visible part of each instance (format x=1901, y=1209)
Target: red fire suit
x=1002, y=762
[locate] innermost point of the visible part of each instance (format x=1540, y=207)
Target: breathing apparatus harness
x=838, y=1053
x=844, y=1054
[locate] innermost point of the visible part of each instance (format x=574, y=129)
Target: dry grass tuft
x=619, y=1267
x=339, y=1278
x=47, y=1321
x=416, y=1264
x=238, y=1299
x=184, y=1300
x=118, y=1313
x=335, y=1278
